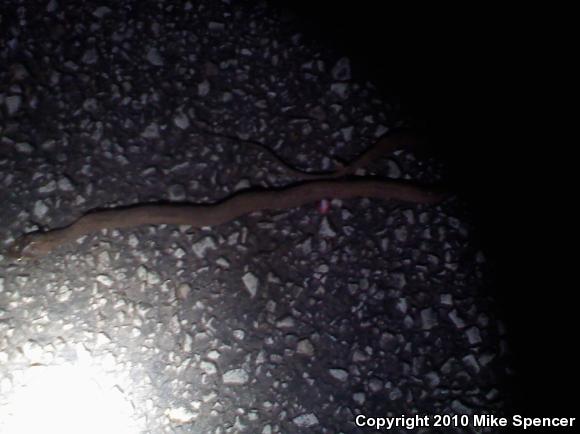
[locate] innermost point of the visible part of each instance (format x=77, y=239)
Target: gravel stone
x=305, y=347
x=305, y=420
x=105, y=280
x=339, y=374
x=154, y=57
x=202, y=246
x=235, y=377
x=251, y=283
x=40, y=209
x=13, y=103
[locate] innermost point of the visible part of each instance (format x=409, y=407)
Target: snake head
x=26, y=247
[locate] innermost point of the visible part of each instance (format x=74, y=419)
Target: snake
x=311, y=187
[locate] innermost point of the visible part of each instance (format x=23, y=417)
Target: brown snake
x=313, y=188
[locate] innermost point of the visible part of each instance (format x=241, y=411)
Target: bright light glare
x=65, y=400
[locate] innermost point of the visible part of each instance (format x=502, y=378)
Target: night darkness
x=298, y=318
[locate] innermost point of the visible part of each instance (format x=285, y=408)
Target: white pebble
x=64, y=184
x=104, y=279
x=251, y=283
x=203, y=245
x=203, y=88
x=101, y=11
x=340, y=89
x=181, y=121
x=235, y=377
x=339, y=374
x=305, y=347
x=25, y=148
x=180, y=415
x=40, y=209
x=473, y=335
x=13, y=103
x=208, y=367
x=183, y=291
x=325, y=229
x=305, y=420
x=154, y=57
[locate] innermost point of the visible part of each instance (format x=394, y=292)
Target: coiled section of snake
x=213, y=214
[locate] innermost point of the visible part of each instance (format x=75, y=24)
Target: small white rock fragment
x=347, y=133
x=40, y=209
x=286, y=322
x=395, y=394
x=433, y=379
x=208, y=367
x=52, y=6
x=151, y=131
x=471, y=362
x=154, y=57
x=402, y=305
x=24, y=148
x=90, y=57
x=235, y=377
x=339, y=374
x=179, y=253
x=183, y=291
x=133, y=240
x=101, y=11
x=305, y=420
x=375, y=384
x=13, y=103
x=381, y=131
x=473, y=335
x=104, y=259
x=359, y=398
x=49, y=187
x=213, y=355
x=251, y=283
x=105, y=280
x=305, y=347
x=401, y=234
x=32, y=351
x=142, y=273
x=216, y=26
x=393, y=169
x=153, y=278
x=181, y=121
x=325, y=229
x=177, y=193
x=203, y=88
x=446, y=299
x=360, y=356
x=201, y=247
x=242, y=185
x=457, y=320
x=428, y=318
x=340, y=89
x=180, y=415
x=64, y=184
x=223, y=262
x=102, y=339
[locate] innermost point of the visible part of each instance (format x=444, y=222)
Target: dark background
x=479, y=81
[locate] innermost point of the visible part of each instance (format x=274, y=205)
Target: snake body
x=313, y=187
